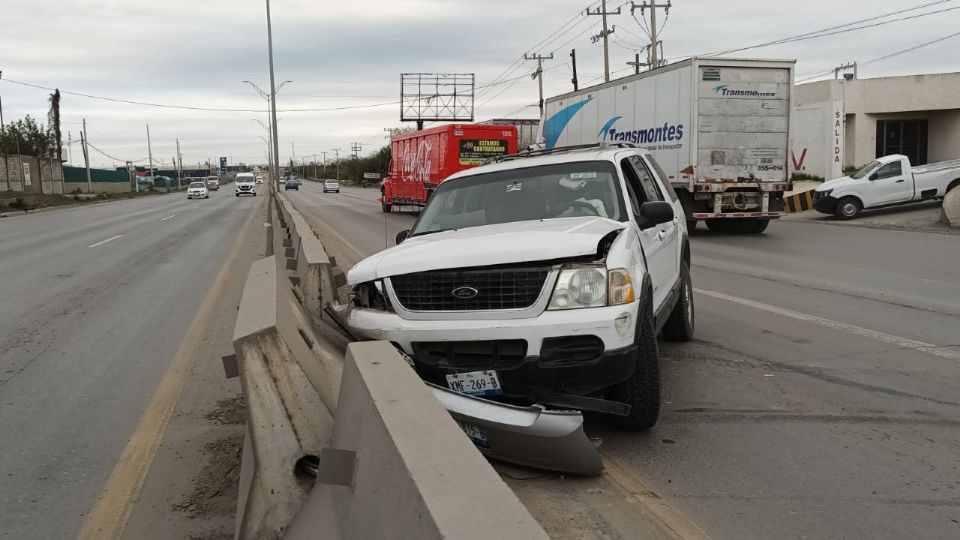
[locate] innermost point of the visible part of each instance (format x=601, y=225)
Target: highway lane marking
x=169, y=217
x=899, y=341
x=109, y=516
x=102, y=242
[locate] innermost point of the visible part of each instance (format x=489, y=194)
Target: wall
x=944, y=136
x=11, y=175
x=102, y=180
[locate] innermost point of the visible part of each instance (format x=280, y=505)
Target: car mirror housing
x=654, y=213
x=402, y=235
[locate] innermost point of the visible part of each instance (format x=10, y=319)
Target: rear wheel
x=691, y=224
x=719, y=225
x=849, y=208
x=642, y=390
x=680, y=324
x=384, y=205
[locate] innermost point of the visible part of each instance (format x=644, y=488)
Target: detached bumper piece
x=529, y=436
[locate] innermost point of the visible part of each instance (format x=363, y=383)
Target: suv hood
x=504, y=243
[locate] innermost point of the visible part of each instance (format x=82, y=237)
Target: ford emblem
x=464, y=293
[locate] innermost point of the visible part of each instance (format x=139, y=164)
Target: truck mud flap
x=529, y=436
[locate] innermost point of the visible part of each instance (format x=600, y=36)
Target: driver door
x=889, y=185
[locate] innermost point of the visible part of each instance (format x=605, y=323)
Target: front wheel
x=386, y=207
x=849, y=208
x=642, y=390
x=680, y=324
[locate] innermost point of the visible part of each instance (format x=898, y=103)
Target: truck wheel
x=719, y=225
x=849, y=208
x=680, y=324
x=642, y=390
x=761, y=226
x=692, y=224
x=386, y=207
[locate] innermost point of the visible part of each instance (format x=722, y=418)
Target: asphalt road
x=821, y=397
x=94, y=303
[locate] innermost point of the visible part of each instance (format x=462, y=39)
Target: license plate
x=475, y=434
x=475, y=383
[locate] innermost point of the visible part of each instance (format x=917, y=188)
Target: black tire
x=237, y=194
x=642, y=390
x=719, y=225
x=681, y=323
x=692, y=224
x=386, y=207
x=761, y=226
x=849, y=208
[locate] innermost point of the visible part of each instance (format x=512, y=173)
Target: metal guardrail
x=346, y=444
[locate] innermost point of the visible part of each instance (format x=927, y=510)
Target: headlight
x=580, y=287
x=825, y=192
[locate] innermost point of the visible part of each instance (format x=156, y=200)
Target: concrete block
x=951, y=208
x=417, y=476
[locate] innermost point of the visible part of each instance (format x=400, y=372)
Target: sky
x=349, y=56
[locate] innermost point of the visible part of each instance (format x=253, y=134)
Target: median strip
x=169, y=217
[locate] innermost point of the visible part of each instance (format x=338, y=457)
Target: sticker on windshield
x=516, y=185
x=582, y=175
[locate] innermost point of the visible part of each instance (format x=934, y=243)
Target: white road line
x=102, y=242
x=899, y=341
x=169, y=217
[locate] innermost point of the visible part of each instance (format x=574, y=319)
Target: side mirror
x=402, y=235
x=655, y=213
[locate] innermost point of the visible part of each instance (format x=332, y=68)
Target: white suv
x=245, y=184
x=545, y=276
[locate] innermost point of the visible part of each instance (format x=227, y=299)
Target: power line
x=888, y=56
x=839, y=28
x=191, y=108
x=114, y=157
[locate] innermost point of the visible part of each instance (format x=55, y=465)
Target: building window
x=907, y=137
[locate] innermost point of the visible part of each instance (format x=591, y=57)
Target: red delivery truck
x=420, y=160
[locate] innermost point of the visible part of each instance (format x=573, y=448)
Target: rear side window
x=663, y=178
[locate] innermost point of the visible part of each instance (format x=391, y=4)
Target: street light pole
x=273, y=95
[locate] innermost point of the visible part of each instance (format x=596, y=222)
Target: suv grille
x=470, y=289
x=494, y=354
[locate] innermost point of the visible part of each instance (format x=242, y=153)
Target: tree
x=29, y=137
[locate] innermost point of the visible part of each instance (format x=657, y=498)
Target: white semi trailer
x=718, y=127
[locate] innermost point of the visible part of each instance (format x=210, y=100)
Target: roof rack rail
x=532, y=151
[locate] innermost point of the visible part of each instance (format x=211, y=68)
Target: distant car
x=291, y=183
x=213, y=183
x=259, y=179
x=246, y=184
x=331, y=185
x=197, y=190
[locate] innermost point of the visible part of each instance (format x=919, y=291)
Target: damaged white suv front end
x=540, y=279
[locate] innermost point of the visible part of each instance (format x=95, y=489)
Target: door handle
x=662, y=235
x=900, y=180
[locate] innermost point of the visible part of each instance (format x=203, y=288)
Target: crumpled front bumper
x=824, y=203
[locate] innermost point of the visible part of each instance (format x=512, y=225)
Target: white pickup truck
x=887, y=181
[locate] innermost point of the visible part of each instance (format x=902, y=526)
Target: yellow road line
x=668, y=519
x=109, y=516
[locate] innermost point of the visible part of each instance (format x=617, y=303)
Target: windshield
x=867, y=169
x=244, y=178
x=196, y=184
x=588, y=188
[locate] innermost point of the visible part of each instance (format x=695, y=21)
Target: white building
x=840, y=123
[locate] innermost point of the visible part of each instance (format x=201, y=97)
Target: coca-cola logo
x=416, y=165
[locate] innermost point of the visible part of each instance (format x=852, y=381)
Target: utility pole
x=844, y=67
x=69, y=147
x=602, y=11
x=180, y=161
x=655, y=44
x=150, y=155
x=637, y=63
x=6, y=164
x=573, y=58
x=356, y=148
x=336, y=158
x=538, y=74
x=273, y=101
x=86, y=155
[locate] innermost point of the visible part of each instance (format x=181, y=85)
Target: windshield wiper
x=429, y=232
